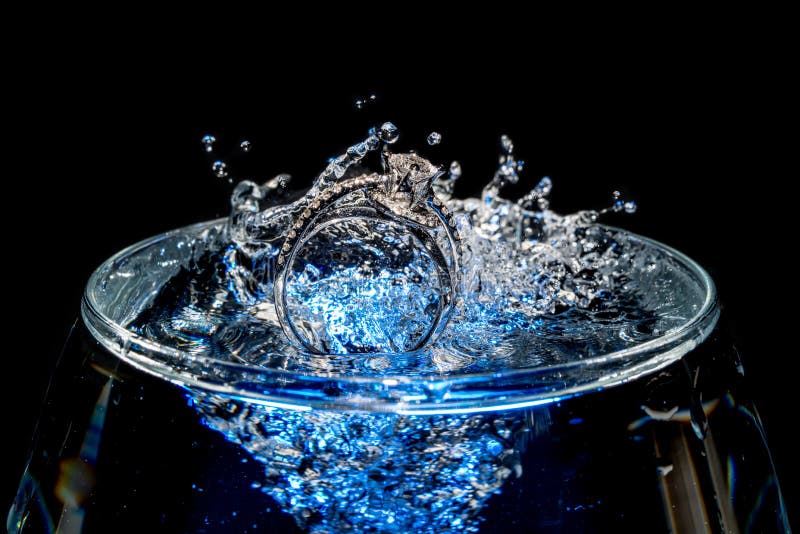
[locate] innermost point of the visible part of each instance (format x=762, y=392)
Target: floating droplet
x=388, y=133
x=630, y=207
x=208, y=142
x=245, y=146
x=616, y=195
x=506, y=144
x=373, y=97
x=455, y=170
x=434, y=138
x=220, y=169
x=360, y=103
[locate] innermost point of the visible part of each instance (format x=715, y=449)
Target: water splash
x=538, y=196
x=619, y=204
x=538, y=290
x=520, y=261
x=444, y=185
x=338, y=166
x=535, y=286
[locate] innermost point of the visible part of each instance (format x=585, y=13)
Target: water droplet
x=434, y=138
x=544, y=186
x=388, y=133
x=616, y=195
x=455, y=170
x=245, y=146
x=506, y=144
x=360, y=103
x=630, y=207
x=208, y=142
x=220, y=169
x=373, y=97
x=664, y=470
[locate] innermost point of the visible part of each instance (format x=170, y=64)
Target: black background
x=105, y=152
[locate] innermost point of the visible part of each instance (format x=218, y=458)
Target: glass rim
x=411, y=395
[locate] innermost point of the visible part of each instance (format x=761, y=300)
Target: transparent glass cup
x=140, y=435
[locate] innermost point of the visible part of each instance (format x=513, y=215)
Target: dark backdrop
x=106, y=153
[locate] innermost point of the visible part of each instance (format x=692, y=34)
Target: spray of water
x=520, y=260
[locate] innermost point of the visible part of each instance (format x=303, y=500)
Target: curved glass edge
x=470, y=393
